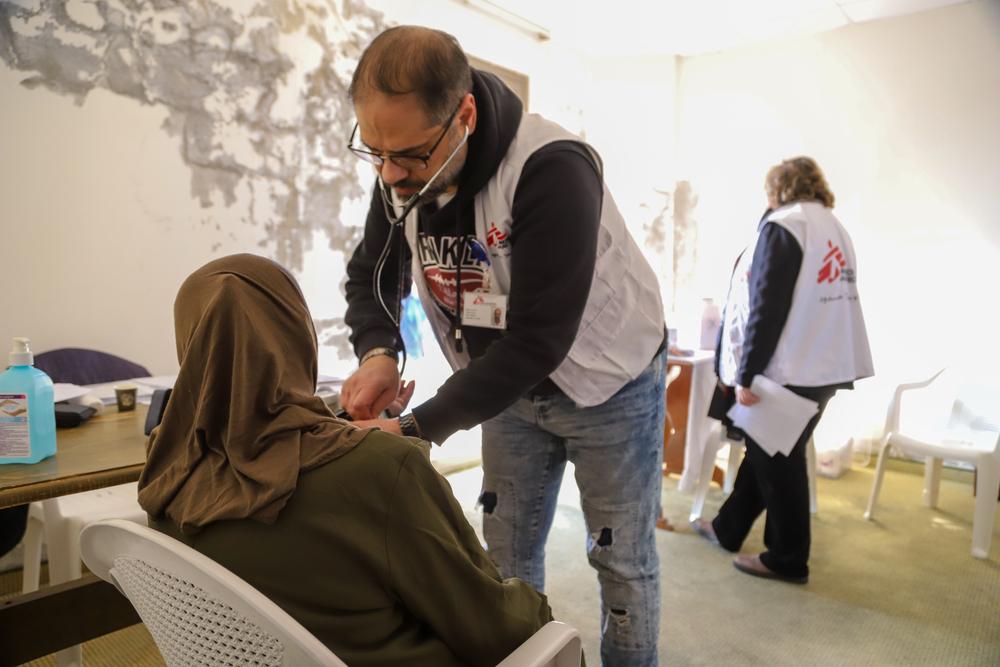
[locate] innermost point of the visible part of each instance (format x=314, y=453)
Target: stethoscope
x=396, y=223
x=407, y=206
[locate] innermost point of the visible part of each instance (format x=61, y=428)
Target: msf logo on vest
x=497, y=241
x=834, y=267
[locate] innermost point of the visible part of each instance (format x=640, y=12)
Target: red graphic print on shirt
x=439, y=258
x=833, y=264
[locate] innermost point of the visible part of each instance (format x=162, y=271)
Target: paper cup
x=125, y=396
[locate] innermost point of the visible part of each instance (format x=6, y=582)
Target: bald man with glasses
x=542, y=303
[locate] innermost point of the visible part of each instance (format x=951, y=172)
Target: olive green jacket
x=374, y=556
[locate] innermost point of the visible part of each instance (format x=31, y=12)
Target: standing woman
x=792, y=315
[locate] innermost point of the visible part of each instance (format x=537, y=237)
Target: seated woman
x=350, y=530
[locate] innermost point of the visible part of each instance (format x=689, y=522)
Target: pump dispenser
x=27, y=412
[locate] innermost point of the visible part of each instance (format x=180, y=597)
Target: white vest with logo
x=622, y=324
x=824, y=341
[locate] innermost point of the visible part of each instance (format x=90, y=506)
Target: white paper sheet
x=157, y=381
x=64, y=391
x=777, y=420
x=106, y=391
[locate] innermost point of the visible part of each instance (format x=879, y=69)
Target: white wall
x=902, y=114
x=104, y=213
x=108, y=206
x=141, y=141
x=629, y=117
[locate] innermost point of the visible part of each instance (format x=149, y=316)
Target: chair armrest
x=544, y=645
x=892, y=414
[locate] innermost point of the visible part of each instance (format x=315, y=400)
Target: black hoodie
x=556, y=217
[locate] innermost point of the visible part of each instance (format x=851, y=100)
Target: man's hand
x=746, y=397
x=387, y=425
x=371, y=388
x=402, y=399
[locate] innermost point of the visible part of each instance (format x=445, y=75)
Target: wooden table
x=687, y=402
x=106, y=450
x=688, y=396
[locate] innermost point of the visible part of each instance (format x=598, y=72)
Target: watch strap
x=408, y=426
x=379, y=351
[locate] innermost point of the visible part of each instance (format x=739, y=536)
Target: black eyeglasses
x=407, y=162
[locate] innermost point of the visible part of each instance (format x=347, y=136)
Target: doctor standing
x=792, y=315
x=541, y=301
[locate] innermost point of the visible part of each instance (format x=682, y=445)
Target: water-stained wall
x=141, y=139
x=246, y=102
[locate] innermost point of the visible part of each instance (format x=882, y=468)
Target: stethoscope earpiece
x=407, y=206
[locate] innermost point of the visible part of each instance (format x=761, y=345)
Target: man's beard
x=445, y=180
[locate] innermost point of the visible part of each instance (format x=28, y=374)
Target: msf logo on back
x=834, y=266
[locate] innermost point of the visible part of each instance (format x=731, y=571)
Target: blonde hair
x=798, y=179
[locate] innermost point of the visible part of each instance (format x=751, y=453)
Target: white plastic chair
x=198, y=612
x=980, y=448
x=735, y=449
x=58, y=521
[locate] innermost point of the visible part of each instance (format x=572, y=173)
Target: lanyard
x=396, y=223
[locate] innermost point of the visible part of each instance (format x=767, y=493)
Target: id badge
x=482, y=309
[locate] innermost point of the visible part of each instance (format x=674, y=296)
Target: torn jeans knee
x=488, y=501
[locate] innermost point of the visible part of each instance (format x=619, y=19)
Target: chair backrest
x=198, y=612
x=80, y=366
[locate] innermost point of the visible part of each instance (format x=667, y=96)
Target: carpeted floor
x=902, y=590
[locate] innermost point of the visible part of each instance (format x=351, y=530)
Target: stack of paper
x=157, y=381
x=64, y=391
x=106, y=391
x=776, y=421
x=328, y=384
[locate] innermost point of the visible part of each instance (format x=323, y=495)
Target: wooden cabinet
x=678, y=407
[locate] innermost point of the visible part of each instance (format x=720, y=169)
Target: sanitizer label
x=15, y=439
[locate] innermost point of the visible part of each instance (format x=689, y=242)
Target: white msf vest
x=824, y=341
x=622, y=323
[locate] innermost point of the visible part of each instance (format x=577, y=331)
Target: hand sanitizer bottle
x=27, y=413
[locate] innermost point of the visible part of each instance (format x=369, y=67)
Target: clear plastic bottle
x=711, y=320
x=27, y=412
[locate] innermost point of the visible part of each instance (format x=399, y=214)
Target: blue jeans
x=617, y=450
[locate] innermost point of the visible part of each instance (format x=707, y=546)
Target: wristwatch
x=408, y=426
x=378, y=351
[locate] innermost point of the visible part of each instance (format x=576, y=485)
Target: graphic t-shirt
x=440, y=257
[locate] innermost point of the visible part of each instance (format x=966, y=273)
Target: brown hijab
x=243, y=420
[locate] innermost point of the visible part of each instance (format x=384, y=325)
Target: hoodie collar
x=498, y=115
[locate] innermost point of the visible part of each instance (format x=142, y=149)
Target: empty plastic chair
x=937, y=442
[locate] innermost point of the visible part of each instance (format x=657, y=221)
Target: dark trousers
x=12, y=523
x=780, y=485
